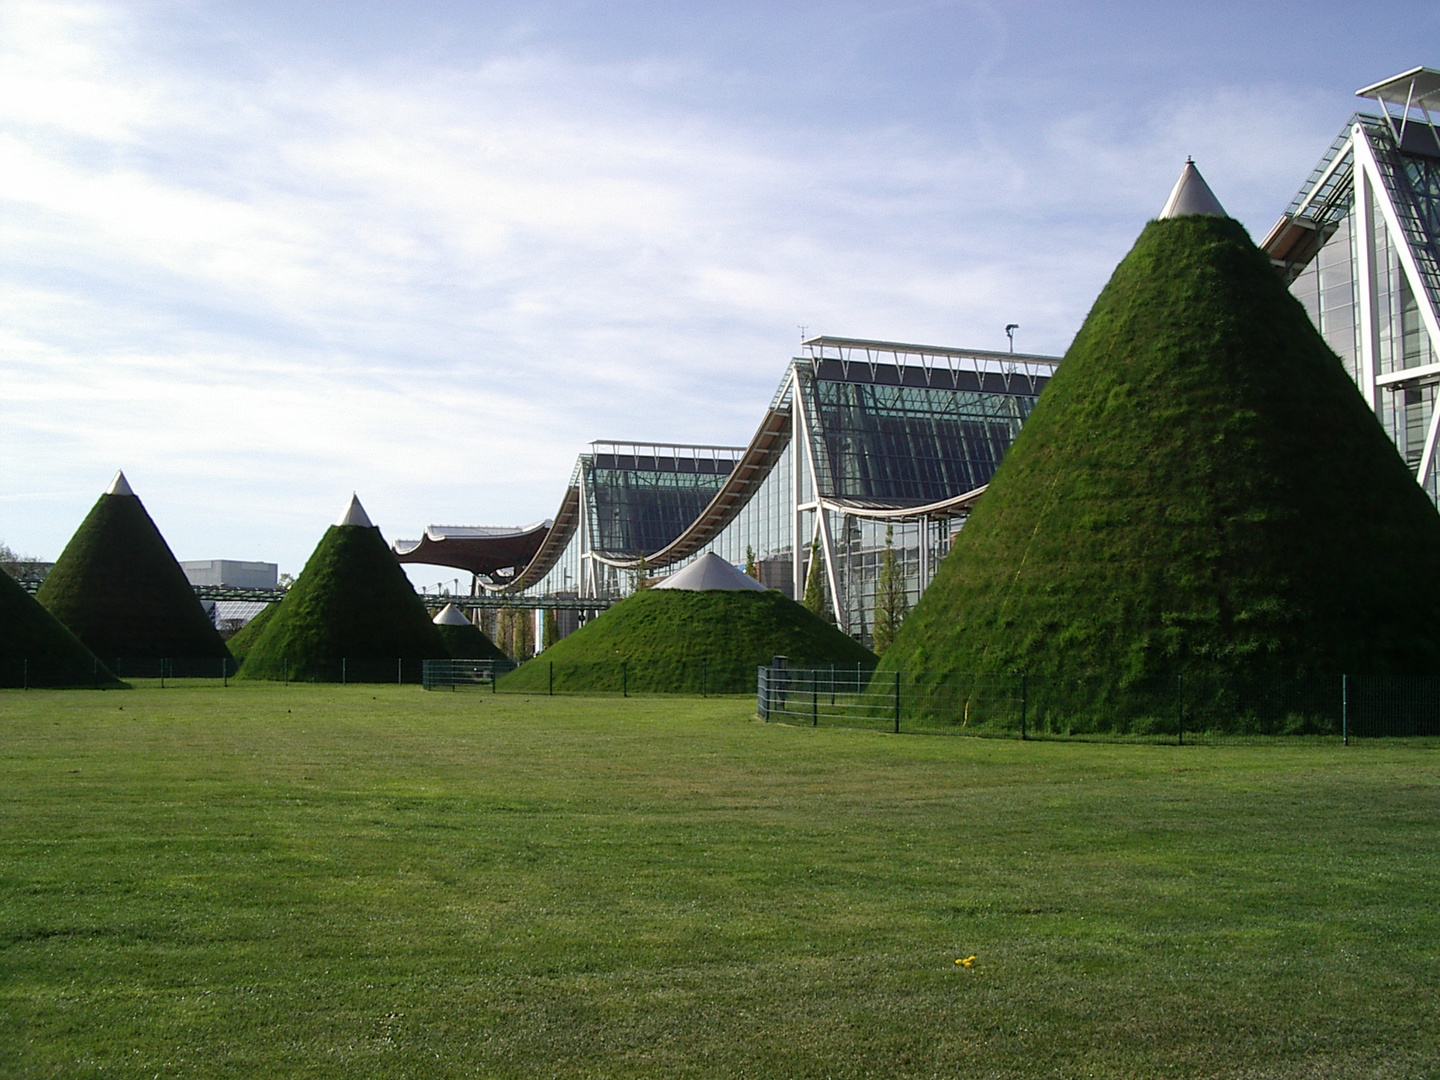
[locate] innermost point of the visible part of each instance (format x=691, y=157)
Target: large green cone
x=351, y=603
x=679, y=641
x=120, y=591
x=243, y=639
x=469, y=642
x=1200, y=489
x=37, y=650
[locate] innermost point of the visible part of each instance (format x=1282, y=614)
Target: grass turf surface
x=376, y=881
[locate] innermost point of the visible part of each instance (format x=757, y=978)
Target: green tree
x=10, y=562
x=751, y=569
x=815, y=583
x=892, y=603
x=551, y=632
x=639, y=575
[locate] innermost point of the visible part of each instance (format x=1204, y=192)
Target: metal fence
x=463, y=674
x=38, y=674
x=630, y=678
x=1186, y=709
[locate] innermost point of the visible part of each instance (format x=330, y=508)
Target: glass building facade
x=1360, y=246
x=864, y=443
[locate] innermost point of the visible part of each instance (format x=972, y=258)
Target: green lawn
x=375, y=881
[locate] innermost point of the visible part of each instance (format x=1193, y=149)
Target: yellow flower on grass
x=966, y=961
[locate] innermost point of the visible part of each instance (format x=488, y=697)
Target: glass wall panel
x=639, y=503
x=909, y=444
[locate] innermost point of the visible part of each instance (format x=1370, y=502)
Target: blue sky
x=262, y=254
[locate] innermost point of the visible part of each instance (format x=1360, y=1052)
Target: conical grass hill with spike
x=705, y=628
x=351, y=615
x=241, y=641
x=118, y=588
x=37, y=650
x=463, y=639
x=1200, y=489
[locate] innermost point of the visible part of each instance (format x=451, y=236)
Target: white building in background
x=232, y=573
x=1360, y=247
x=230, y=615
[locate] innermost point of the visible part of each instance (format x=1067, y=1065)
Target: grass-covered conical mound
x=120, y=591
x=678, y=641
x=243, y=639
x=469, y=642
x=1200, y=489
x=37, y=650
x=351, y=614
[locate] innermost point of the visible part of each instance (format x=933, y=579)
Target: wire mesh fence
x=463, y=674
x=627, y=678
x=1185, y=709
x=103, y=672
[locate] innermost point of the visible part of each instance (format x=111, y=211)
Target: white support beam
x=1427, y=457
x=1405, y=375
x=1365, y=272
x=1365, y=158
x=1366, y=164
x=798, y=461
x=827, y=551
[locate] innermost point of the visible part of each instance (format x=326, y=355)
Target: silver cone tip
x=119, y=486
x=1191, y=195
x=355, y=514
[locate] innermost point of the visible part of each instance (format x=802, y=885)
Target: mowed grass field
x=380, y=882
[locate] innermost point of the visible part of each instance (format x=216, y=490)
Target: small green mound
x=469, y=642
x=1200, y=490
x=243, y=640
x=36, y=649
x=120, y=591
x=351, y=615
x=678, y=641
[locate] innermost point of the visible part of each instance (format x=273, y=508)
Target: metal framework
x=1378, y=179
x=860, y=437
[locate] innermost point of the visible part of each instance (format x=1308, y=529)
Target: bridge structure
x=432, y=601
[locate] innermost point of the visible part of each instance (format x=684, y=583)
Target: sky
x=261, y=255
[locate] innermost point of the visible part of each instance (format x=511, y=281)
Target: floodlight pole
x=1010, y=329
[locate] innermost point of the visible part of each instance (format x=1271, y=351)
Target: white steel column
x=822, y=526
x=1365, y=279
x=798, y=461
x=1365, y=164
x=587, y=582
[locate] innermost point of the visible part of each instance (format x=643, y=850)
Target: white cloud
x=257, y=286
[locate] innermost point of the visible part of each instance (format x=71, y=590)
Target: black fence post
x=814, y=698
x=162, y=674
x=1345, y=710
x=703, y=666
x=285, y=670
x=552, y=677
x=400, y=671
x=225, y=672
x=1024, y=704
x=897, y=703
x=342, y=671
x=1179, y=710
x=624, y=678
x=25, y=674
